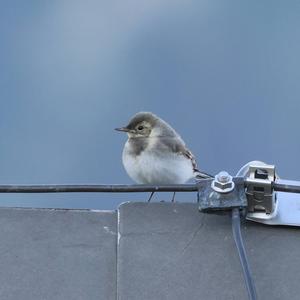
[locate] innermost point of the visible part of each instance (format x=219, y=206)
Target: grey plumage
x=138, y=145
x=155, y=152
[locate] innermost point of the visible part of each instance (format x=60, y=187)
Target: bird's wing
x=188, y=154
x=198, y=174
x=177, y=145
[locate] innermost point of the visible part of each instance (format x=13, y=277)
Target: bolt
x=223, y=183
x=223, y=177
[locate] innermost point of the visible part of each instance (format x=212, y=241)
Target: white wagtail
x=155, y=153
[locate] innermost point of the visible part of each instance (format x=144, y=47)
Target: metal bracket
x=259, y=188
x=223, y=194
x=268, y=206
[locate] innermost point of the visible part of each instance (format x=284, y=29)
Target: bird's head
x=140, y=125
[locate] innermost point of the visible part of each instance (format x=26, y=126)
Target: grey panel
x=166, y=251
x=171, y=251
x=57, y=254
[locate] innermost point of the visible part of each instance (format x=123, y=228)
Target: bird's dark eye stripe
x=140, y=127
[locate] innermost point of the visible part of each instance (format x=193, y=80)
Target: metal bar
x=103, y=188
x=289, y=186
x=279, y=185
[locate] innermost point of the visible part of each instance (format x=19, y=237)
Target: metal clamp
x=259, y=189
x=273, y=201
x=222, y=194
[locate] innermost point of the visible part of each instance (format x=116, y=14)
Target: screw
x=223, y=177
x=223, y=183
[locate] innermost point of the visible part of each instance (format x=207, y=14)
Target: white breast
x=156, y=168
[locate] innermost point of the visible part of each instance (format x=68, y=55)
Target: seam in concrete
x=117, y=253
x=193, y=237
x=58, y=209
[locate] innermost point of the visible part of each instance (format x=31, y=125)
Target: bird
x=155, y=154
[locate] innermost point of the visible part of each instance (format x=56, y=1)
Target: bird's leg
x=173, y=198
x=152, y=193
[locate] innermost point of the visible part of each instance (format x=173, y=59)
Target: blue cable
x=236, y=231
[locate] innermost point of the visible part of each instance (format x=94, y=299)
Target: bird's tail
x=202, y=175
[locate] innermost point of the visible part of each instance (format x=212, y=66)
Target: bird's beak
x=124, y=129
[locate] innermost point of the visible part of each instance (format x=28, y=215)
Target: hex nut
x=223, y=183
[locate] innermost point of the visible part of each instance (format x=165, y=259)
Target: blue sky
x=225, y=74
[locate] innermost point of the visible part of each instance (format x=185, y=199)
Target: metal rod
x=279, y=185
x=90, y=188
x=289, y=186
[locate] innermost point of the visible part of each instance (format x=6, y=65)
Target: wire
x=236, y=231
x=101, y=188
x=279, y=185
x=93, y=188
x=289, y=186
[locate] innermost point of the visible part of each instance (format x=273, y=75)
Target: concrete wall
x=143, y=251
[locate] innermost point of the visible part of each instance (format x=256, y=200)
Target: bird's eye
x=140, y=127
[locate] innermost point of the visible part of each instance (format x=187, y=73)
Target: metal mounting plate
x=286, y=206
x=286, y=212
x=211, y=201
